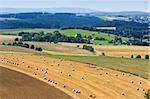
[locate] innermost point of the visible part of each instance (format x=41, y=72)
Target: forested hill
x=46, y=20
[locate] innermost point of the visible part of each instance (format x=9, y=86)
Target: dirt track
x=79, y=80
x=15, y=85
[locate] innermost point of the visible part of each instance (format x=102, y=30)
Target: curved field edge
x=36, y=77
x=12, y=87
x=66, y=67
x=138, y=67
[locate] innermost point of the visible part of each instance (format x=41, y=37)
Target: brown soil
x=15, y=85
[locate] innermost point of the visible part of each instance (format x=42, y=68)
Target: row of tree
x=25, y=45
x=52, y=37
x=139, y=56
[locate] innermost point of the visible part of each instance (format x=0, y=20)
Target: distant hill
x=49, y=10
x=123, y=13
x=72, y=10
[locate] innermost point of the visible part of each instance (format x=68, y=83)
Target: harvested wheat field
x=15, y=85
x=80, y=81
x=116, y=51
x=7, y=38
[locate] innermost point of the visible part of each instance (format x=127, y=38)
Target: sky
x=99, y=5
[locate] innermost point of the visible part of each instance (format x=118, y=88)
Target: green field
x=70, y=32
x=138, y=67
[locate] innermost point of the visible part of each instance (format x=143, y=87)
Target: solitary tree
x=132, y=56
x=147, y=56
x=103, y=54
x=3, y=43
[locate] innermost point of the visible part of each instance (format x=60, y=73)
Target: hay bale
x=69, y=75
x=123, y=74
x=143, y=90
x=140, y=82
x=55, y=83
x=64, y=86
x=46, y=72
x=82, y=78
x=106, y=73
x=73, y=90
x=137, y=89
x=78, y=91
x=35, y=73
x=132, y=81
x=92, y=96
x=123, y=93
x=45, y=78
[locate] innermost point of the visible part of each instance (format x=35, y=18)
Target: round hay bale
x=82, y=78
x=106, y=73
x=69, y=75
x=143, y=90
x=45, y=78
x=55, y=83
x=140, y=82
x=35, y=73
x=137, y=89
x=123, y=93
x=78, y=91
x=64, y=86
x=123, y=74
x=73, y=90
x=61, y=72
x=93, y=96
x=132, y=81
x=42, y=70
x=46, y=72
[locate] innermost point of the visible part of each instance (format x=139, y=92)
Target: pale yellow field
x=6, y=38
x=81, y=81
x=117, y=51
x=59, y=48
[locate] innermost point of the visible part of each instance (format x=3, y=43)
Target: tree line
x=25, y=45
x=53, y=37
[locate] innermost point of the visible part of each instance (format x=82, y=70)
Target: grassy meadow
x=70, y=32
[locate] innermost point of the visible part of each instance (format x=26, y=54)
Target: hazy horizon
x=95, y=5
